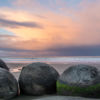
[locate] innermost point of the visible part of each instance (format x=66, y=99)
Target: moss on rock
x=88, y=91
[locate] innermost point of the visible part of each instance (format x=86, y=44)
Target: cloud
x=6, y=36
x=4, y=40
x=58, y=51
x=15, y=24
x=70, y=32
x=76, y=50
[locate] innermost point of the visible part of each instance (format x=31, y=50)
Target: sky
x=45, y=28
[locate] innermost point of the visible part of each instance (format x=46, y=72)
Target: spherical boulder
x=3, y=65
x=8, y=85
x=79, y=80
x=38, y=79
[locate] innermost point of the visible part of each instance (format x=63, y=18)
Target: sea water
x=93, y=59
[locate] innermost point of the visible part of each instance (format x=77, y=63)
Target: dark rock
x=79, y=80
x=8, y=85
x=3, y=65
x=38, y=79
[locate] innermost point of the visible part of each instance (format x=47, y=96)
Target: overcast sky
x=39, y=28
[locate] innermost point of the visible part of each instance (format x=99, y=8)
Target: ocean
x=94, y=59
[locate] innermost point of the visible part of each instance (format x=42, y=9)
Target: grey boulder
x=38, y=79
x=3, y=65
x=8, y=85
x=79, y=80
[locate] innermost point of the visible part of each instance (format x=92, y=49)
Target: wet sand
x=52, y=98
x=15, y=68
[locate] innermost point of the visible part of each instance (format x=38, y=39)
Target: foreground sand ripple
x=52, y=98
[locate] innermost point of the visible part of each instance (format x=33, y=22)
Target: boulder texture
x=79, y=80
x=38, y=79
x=8, y=85
x=3, y=65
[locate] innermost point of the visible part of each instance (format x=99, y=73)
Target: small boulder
x=38, y=79
x=79, y=80
x=8, y=85
x=3, y=65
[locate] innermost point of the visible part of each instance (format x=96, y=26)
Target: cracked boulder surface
x=79, y=80
x=8, y=85
x=38, y=79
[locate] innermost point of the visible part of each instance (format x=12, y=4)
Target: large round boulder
x=79, y=80
x=3, y=65
x=8, y=85
x=38, y=79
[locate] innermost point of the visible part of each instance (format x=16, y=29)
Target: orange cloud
x=59, y=29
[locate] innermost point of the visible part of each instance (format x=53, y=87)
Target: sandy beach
x=15, y=68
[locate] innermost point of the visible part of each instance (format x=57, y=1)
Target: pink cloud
x=69, y=28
